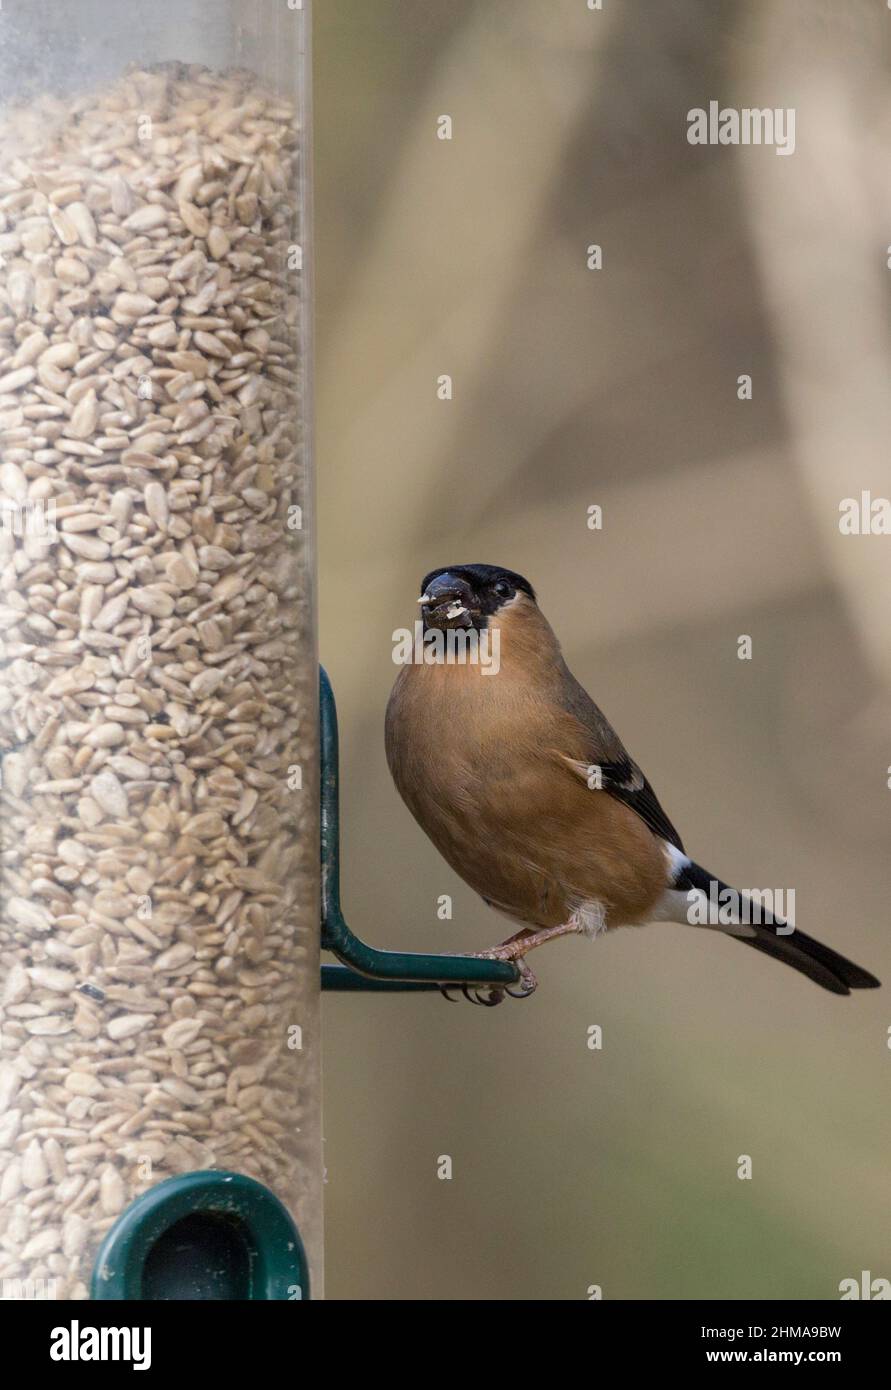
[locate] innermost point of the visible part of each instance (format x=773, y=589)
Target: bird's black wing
x=619, y=774
x=624, y=780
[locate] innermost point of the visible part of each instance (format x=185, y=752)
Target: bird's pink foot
x=514, y=950
x=489, y=995
x=516, y=947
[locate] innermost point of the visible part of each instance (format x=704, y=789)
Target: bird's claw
x=489, y=995
x=527, y=985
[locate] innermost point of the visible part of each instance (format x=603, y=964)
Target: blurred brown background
x=616, y=387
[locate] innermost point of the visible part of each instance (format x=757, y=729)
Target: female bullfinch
x=526, y=790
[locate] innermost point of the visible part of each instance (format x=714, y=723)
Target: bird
x=527, y=791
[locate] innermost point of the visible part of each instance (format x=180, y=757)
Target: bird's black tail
x=820, y=963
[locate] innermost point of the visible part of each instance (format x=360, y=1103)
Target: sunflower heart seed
x=109, y=795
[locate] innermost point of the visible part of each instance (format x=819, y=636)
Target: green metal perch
x=365, y=967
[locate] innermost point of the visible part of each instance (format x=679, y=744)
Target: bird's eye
x=503, y=589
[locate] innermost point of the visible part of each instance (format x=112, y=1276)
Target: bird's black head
x=469, y=595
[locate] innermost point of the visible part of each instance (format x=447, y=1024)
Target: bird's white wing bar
x=677, y=861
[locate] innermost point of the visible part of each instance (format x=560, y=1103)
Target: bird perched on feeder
x=526, y=790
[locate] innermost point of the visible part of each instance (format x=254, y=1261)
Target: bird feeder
x=159, y=874
x=168, y=791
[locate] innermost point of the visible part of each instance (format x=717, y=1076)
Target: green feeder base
x=202, y=1236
